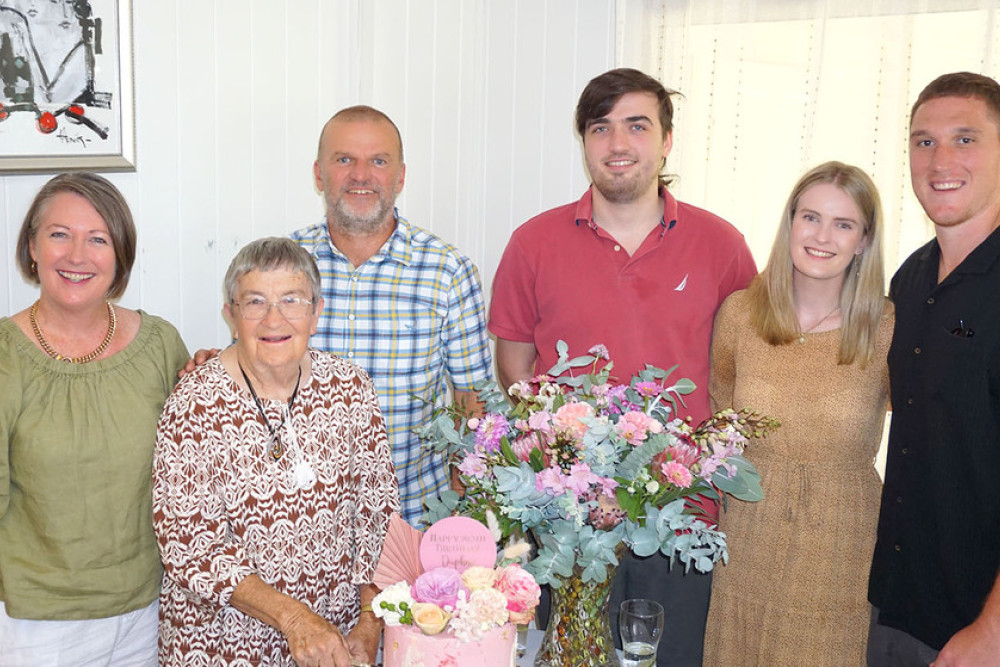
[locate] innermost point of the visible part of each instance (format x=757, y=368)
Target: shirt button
x=350, y=355
x=909, y=401
x=930, y=301
x=899, y=500
x=354, y=279
x=617, y=248
x=904, y=450
x=897, y=547
x=351, y=317
x=916, y=350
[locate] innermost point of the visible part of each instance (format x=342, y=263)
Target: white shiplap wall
x=231, y=95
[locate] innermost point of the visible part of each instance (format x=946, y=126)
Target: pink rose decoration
x=439, y=586
x=521, y=591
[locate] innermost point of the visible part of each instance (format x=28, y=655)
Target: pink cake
x=407, y=646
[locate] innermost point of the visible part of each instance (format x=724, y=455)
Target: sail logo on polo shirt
x=683, y=284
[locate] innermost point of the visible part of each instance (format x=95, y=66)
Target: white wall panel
x=230, y=100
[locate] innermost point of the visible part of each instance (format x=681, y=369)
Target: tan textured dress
x=795, y=589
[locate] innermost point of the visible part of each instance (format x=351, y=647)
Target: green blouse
x=76, y=451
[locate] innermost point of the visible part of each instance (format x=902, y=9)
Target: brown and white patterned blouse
x=311, y=524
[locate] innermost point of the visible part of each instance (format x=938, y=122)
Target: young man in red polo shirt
x=632, y=268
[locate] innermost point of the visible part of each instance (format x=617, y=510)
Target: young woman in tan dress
x=806, y=343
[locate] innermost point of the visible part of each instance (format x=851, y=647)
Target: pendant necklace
x=802, y=334
x=277, y=448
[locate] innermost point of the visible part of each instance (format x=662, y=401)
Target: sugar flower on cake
x=521, y=592
x=588, y=465
x=467, y=604
x=440, y=586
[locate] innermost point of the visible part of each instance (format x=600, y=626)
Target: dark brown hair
x=962, y=84
x=109, y=204
x=604, y=91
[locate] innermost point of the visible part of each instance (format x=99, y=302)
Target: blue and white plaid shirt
x=413, y=317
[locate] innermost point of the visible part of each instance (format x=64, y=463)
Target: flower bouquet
x=589, y=468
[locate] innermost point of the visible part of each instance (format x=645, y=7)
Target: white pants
x=128, y=640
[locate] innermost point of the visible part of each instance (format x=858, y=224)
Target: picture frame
x=66, y=86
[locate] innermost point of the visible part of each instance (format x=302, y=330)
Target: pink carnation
x=521, y=590
x=580, y=478
x=550, y=479
x=568, y=419
x=541, y=421
x=439, y=586
x=473, y=466
x=677, y=474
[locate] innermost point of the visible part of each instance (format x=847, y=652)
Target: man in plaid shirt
x=400, y=302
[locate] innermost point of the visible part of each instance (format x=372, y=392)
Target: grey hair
x=267, y=254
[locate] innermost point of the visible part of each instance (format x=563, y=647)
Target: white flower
x=387, y=604
x=652, y=486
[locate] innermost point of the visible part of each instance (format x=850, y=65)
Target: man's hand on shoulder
x=200, y=357
x=976, y=645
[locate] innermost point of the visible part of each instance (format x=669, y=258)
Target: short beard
x=340, y=215
x=621, y=192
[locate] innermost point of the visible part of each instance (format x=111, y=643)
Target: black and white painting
x=65, y=85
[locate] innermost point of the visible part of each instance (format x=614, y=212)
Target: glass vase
x=579, y=631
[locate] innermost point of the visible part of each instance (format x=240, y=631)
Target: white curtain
x=773, y=87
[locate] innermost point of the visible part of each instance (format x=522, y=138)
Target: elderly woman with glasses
x=273, y=485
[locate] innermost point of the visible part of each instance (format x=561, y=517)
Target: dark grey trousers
x=889, y=647
x=685, y=605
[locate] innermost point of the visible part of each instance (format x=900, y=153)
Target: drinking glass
x=641, y=624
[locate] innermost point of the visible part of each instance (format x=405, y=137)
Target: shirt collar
x=585, y=210
x=397, y=248
x=979, y=261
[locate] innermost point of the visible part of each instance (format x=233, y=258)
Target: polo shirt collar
x=585, y=209
x=397, y=248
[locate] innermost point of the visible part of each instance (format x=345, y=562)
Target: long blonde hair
x=862, y=296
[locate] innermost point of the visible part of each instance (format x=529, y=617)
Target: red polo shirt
x=563, y=277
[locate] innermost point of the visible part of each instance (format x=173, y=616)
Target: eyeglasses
x=290, y=307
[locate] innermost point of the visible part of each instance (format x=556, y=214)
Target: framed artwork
x=66, y=98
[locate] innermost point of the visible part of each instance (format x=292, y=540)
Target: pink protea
x=568, y=419
x=524, y=445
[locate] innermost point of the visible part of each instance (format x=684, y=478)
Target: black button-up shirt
x=938, y=548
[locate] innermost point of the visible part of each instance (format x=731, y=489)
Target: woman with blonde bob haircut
x=806, y=343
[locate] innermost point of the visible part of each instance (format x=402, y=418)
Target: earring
x=34, y=267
